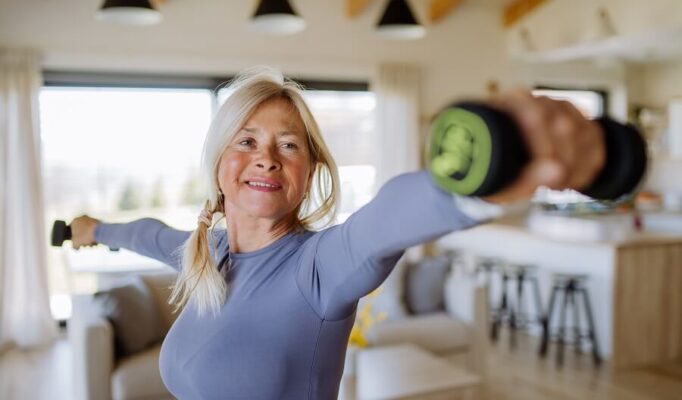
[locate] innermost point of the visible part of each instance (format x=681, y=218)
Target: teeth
x=262, y=184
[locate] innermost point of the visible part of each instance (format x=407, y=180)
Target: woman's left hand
x=566, y=150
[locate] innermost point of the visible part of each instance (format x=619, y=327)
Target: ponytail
x=199, y=277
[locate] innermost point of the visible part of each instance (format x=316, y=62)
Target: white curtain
x=397, y=110
x=25, y=319
x=398, y=146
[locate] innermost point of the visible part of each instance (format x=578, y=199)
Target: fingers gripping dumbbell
x=476, y=150
x=61, y=232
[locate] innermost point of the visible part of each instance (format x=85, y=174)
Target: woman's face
x=266, y=169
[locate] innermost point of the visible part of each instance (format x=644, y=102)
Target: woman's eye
x=245, y=142
x=291, y=146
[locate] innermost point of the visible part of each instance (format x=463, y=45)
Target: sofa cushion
x=133, y=313
x=138, y=377
x=424, y=292
x=160, y=286
x=388, y=300
x=436, y=332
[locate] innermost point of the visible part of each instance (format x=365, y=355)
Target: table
x=408, y=372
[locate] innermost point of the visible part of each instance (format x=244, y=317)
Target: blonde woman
x=270, y=303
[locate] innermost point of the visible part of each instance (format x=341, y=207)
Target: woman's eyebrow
x=294, y=133
x=288, y=133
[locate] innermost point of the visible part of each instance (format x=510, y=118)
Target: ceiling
x=67, y=33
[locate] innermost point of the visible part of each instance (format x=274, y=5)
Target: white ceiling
x=65, y=31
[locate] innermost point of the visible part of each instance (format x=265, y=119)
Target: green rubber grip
x=474, y=150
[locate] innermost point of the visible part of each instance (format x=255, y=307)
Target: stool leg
x=591, y=328
x=515, y=312
x=520, y=280
x=546, y=322
x=576, y=324
x=562, y=325
x=495, y=327
x=538, y=300
x=513, y=326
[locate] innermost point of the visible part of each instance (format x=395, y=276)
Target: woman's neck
x=247, y=234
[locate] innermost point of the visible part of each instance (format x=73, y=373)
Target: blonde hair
x=199, y=277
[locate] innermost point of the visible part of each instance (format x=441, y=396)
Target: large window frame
x=76, y=79
x=160, y=81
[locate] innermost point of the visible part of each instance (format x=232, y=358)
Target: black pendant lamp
x=276, y=17
x=398, y=22
x=129, y=12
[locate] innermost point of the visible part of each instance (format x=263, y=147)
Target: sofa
x=457, y=333
x=441, y=307
x=99, y=374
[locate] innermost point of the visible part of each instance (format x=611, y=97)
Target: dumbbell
x=476, y=150
x=62, y=232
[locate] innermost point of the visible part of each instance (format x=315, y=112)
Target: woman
x=271, y=319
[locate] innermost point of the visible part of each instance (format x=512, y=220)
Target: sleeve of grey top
x=354, y=258
x=148, y=237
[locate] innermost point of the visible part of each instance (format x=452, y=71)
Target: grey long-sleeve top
x=283, y=331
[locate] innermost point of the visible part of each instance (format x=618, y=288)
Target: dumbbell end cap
x=59, y=233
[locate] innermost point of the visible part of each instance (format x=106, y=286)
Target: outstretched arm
x=355, y=257
x=147, y=236
x=565, y=149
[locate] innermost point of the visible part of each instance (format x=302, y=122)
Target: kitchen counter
x=635, y=276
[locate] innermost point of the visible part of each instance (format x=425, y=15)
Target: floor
x=513, y=375
x=520, y=375
x=38, y=374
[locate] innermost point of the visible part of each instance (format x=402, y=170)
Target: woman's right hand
x=83, y=231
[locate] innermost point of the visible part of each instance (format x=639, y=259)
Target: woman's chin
x=274, y=214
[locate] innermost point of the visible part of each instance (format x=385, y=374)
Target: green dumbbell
x=476, y=150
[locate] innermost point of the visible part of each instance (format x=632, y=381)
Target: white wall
x=655, y=86
x=569, y=30
x=565, y=23
x=659, y=83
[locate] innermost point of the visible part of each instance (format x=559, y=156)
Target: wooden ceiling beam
x=355, y=7
x=519, y=9
x=439, y=9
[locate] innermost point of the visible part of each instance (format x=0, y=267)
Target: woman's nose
x=267, y=161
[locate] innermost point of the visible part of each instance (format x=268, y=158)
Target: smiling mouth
x=263, y=185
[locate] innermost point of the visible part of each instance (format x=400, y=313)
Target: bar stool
x=570, y=285
x=515, y=315
x=488, y=266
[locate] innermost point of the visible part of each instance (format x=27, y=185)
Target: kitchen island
x=635, y=277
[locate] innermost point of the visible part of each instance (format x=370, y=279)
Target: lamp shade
x=276, y=17
x=398, y=22
x=130, y=12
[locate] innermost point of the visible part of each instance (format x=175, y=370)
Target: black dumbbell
x=62, y=232
x=476, y=150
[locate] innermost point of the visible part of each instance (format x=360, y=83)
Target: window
x=591, y=103
x=123, y=153
x=117, y=154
